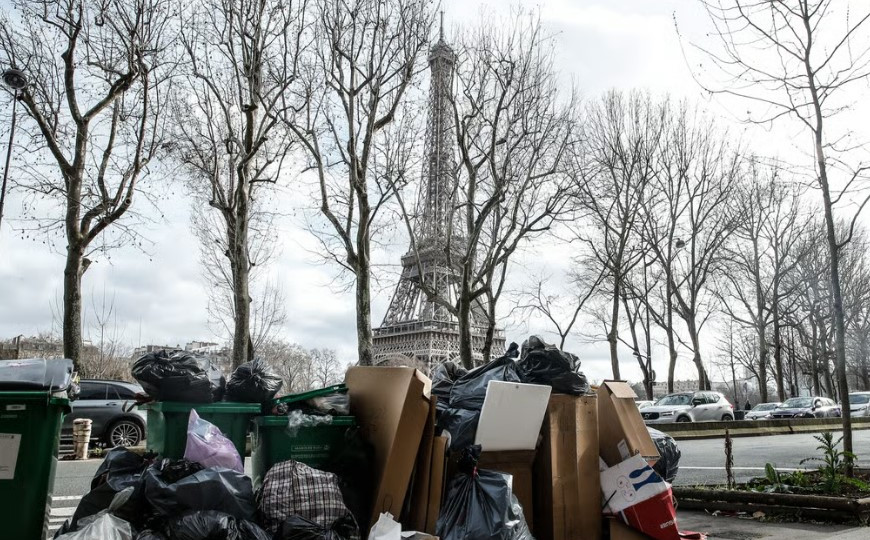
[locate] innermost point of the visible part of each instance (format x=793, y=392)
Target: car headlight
x=669, y=413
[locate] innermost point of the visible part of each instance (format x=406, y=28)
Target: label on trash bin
x=16, y=407
x=9, y=443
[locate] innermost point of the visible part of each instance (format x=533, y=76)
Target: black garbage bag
x=120, y=470
x=469, y=390
x=480, y=505
x=297, y=527
x=211, y=525
x=173, y=470
x=150, y=534
x=443, y=378
x=353, y=463
x=542, y=363
x=213, y=488
x=253, y=382
x=179, y=376
x=461, y=424
x=668, y=464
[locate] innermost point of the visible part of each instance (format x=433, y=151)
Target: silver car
x=702, y=406
x=104, y=402
x=859, y=404
x=762, y=410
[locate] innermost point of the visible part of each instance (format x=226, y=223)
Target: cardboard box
x=566, y=475
x=655, y=517
x=391, y=404
x=628, y=483
x=437, y=482
x=517, y=463
x=621, y=531
x=621, y=431
x=418, y=502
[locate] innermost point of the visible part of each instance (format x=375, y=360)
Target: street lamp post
x=16, y=80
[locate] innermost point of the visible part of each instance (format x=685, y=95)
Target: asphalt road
x=703, y=461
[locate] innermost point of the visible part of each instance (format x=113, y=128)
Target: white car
x=702, y=406
x=859, y=404
x=762, y=410
x=643, y=403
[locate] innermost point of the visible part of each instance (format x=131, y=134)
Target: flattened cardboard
x=621, y=531
x=419, y=498
x=511, y=416
x=566, y=472
x=517, y=463
x=391, y=404
x=621, y=431
x=437, y=481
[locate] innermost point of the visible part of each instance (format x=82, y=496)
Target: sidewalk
x=734, y=528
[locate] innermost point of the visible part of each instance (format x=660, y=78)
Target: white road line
x=67, y=498
x=687, y=468
x=65, y=512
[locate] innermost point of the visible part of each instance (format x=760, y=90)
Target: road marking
x=63, y=512
x=67, y=498
x=738, y=469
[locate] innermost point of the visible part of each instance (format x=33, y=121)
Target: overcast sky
x=160, y=296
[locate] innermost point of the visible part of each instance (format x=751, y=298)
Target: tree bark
x=777, y=353
x=241, y=295
x=72, y=304
x=613, y=334
x=464, y=320
x=672, y=348
x=703, y=379
x=364, y=308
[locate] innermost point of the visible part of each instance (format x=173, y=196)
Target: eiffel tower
x=415, y=330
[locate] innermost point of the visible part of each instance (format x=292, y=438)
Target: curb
x=716, y=430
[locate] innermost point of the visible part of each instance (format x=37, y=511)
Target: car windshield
x=676, y=399
x=859, y=399
x=797, y=402
x=765, y=407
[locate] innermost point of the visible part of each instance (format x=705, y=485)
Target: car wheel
x=123, y=433
x=727, y=418
x=683, y=419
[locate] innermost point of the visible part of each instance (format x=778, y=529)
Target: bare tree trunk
x=703, y=379
x=464, y=320
x=777, y=353
x=672, y=348
x=241, y=293
x=613, y=335
x=72, y=304
x=364, y=308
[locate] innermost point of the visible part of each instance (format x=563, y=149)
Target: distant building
x=661, y=388
x=36, y=347
x=145, y=349
x=204, y=347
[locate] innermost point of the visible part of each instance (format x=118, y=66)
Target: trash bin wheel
x=123, y=433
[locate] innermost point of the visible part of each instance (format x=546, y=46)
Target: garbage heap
x=516, y=449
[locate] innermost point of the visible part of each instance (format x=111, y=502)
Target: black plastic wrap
x=149, y=534
x=211, y=525
x=179, y=376
x=668, y=464
x=480, y=505
x=542, y=363
x=297, y=527
x=443, y=377
x=214, y=488
x=469, y=390
x=253, y=382
x=120, y=469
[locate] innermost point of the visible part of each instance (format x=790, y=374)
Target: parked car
x=689, y=407
x=859, y=404
x=104, y=402
x=762, y=410
x=643, y=403
x=806, y=407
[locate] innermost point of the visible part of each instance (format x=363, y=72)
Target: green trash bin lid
x=304, y=396
x=218, y=407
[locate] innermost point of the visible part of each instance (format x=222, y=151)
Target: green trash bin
x=272, y=442
x=167, y=423
x=30, y=422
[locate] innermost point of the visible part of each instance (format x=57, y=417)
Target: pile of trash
x=517, y=449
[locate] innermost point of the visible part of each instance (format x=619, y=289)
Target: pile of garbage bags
x=136, y=497
x=461, y=393
x=182, y=376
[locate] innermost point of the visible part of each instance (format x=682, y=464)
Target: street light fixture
x=16, y=80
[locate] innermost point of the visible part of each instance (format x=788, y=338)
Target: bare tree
x=326, y=368
x=357, y=77
x=688, y=219
x=94, y=111
x=241, y=60
x=514, y=130
x=618, y=162
x=796, y=58
x=108, y=357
